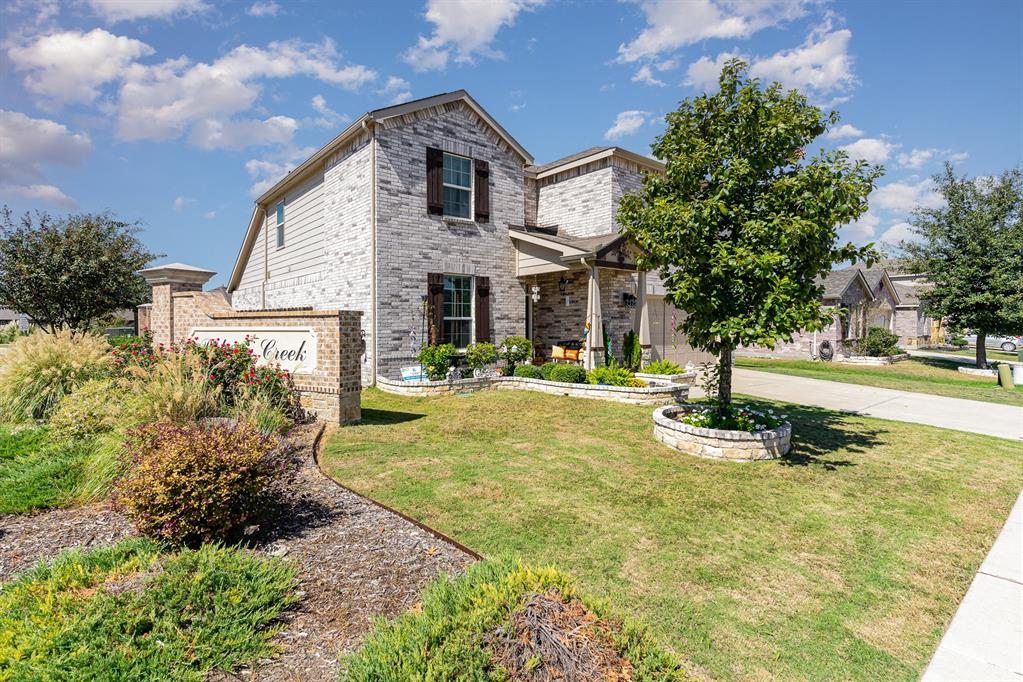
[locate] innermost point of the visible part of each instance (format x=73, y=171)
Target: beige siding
x=252, y=276
x=534, y=259
x=303, y=252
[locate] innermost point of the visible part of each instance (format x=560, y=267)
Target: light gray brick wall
x=579, y=205
x=412, y=243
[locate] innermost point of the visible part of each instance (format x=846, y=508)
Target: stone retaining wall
x=871, y=360
x=736, y=446
x=651, y=395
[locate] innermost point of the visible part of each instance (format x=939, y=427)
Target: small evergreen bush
x=632, y=352
x=546, y=369
x=38, y=370
x=200, y=482
x=879, y=342
x=665, y=367
x=528, y=372
x=515, y=350
x=568, y=374
x=437, y=360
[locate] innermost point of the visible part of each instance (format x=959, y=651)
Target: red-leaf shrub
x=200, y=482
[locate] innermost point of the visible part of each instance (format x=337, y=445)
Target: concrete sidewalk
x=985, y=638
x=1003, y=421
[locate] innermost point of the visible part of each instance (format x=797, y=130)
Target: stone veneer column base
x=735, y=446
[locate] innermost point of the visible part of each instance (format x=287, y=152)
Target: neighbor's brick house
x=431, y=219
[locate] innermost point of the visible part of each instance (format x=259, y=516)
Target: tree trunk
x=982, y=350
x=725, y=378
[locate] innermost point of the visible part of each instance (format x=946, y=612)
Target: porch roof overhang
x=542, y=250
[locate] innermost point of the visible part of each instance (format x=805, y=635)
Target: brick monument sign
x=322, y=349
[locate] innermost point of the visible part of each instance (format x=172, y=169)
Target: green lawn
x=35, y=472
x=921, y=375
x=971, y=354
x=844, y=561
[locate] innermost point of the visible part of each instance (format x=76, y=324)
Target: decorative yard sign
x=291, y=348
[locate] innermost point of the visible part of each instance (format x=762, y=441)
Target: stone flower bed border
x=651, y=395
x=735, y=446
x=872, y=360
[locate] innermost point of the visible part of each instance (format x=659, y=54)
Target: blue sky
x=176, y=112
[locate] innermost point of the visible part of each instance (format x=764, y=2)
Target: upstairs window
x=280, y=225
x=457, y=186
x=458, y=310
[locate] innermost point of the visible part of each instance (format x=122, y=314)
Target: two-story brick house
x=435, y=222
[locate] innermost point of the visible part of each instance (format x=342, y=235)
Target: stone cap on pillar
x=176, y=273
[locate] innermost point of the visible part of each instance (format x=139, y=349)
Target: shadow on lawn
x=374, y=417
x=819, y=434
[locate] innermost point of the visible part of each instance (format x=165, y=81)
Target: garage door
x=666, y=345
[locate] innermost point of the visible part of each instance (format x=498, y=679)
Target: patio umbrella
x=594, y=320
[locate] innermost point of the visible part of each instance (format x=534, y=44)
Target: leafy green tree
x=972, y=251
x=66, y=272
x=741, y=224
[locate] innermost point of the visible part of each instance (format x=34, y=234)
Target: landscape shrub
x=479, y=355
x=528, y=372
x=636, y=383
x=733, y=417
x=94, y=408
x=437, y=360
x=133, y=350
x=665, y=367
x=610, y=375
x=174, y=389
x=632, y=352
x=9, y=332
x=226, y=366
x=448, y=635
x=263, y=416
x=268, y=386
x=569, y=374
x=38, y=370
x=879, y=342
x=514, y=350
x=136, y=612
x=200, y=482
x=546, y=369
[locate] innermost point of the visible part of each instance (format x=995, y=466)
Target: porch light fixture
x=629, y=300
x=562, y=284
x=535, y=290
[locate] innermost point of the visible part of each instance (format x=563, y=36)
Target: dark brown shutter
x=434, y=181
x=482, y=191
x=482, y=311
x=435, y=299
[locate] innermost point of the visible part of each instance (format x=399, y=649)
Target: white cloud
x=162, y=101
x=209, y=215
x=870, y=149
x=906, y=196
x=463, y=30
x=264, y=8
x=130, y=10
x=901, y=231
x=181, y=202
x=670, y=25
x=266, y=171
x=862, y=229
x=958, y=156
x=704, y=72
x=27, y=145
x=646, y=75
x=916, y=158
x=213, y=133
x=328, y=118
x=667, y=64
x=399, y=89
x=626, y=123
x=71, y=66
x=843, y=131
x=821, y=64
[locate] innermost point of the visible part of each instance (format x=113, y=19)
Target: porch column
x=594, y=321
x=641, y=324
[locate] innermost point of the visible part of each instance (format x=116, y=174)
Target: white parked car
x=1007, y=343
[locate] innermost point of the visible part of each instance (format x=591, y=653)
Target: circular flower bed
x=759, y=435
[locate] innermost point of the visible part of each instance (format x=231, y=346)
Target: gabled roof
x=570, y=247
x=876, y=274
x=837, y=282
x=589, y=156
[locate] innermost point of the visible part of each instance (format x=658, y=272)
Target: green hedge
x=528, y=372
x=569, y=374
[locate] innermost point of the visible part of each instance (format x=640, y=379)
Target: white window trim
x=472, y=309
x=471, y=189
x=281, y=219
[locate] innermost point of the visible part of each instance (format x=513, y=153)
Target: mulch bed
x=355, y=560
x=550, y=639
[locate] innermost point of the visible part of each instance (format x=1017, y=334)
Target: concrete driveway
x=1003, y=421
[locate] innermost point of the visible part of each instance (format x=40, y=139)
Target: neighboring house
x=8, y=316
x=431, y=219
x=862, y=298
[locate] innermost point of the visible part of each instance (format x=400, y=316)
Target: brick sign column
x=322, y=349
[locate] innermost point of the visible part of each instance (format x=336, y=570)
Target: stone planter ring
x=736, y=446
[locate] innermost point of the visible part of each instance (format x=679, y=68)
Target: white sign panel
x=291, y=348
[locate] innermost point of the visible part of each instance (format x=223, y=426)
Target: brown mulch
x=550, y=639
x=355, y=561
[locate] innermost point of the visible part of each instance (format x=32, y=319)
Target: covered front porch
x=584, y=293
